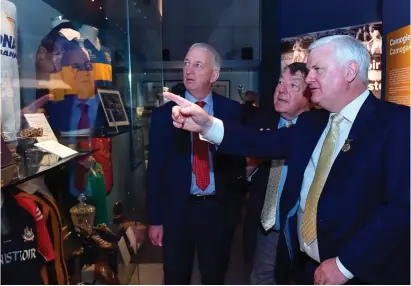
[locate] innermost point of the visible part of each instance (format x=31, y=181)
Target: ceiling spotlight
x=101, y=8
x=106, y=18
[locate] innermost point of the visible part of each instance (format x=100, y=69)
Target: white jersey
x=9, y=79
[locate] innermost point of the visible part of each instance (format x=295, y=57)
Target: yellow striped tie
x=309, y=223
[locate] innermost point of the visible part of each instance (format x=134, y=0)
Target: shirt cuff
x=215, y=134
x=344, y=270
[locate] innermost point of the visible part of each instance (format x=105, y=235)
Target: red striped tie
x=201, y=166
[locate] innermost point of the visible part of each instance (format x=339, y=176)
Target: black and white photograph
x=294, y=49
x=113, y=107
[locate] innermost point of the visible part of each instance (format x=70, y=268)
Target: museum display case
x=72, y=135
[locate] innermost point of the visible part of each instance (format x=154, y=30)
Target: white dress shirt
x=350, y=111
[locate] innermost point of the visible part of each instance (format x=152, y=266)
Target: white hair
x=216, y=58
x=346, y=49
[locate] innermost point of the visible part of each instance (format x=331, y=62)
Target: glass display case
x=72, y=115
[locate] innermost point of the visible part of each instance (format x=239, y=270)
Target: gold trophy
x=83, y=215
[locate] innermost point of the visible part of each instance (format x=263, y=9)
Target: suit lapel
x=358, y=130
x=220, y=113
x=182, y=141
x=363, y=118
x=218, y=107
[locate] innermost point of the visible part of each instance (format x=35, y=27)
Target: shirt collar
x=87, y=101
x=283, y=121
x=351, y=110
x=69, y=34
x=208, y=99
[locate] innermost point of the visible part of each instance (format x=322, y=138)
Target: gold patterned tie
x=309, y=223
x=268, y=214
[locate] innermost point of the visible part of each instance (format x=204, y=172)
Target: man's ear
x=214, y=76
x=351, y=71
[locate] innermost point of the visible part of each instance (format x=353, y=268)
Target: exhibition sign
x=397, y=72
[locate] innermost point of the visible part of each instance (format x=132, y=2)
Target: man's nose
x=310, y=78
x=282, y=88
x=189, y=69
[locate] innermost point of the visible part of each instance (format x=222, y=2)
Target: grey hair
x=347, y=48
x=216, y=58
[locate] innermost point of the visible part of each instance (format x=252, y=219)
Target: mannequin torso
x=90, y=33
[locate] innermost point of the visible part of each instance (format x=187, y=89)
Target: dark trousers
x=206, y=230
x=264, y=258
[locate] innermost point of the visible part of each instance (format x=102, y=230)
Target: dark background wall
x=229, y=25
x=285, y=18
x=395, y=15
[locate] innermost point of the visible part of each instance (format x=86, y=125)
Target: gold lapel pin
x=347, y=145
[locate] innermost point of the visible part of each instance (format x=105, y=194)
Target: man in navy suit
x=194, y=192
x=262, y=226
x=345, y=208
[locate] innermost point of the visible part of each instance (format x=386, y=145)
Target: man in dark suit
x=193, y=191
x=261, y=227
x=345, y=208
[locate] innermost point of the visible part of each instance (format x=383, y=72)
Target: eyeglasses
x=86, y=66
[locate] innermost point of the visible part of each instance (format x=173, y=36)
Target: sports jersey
x=25, y=242
x=101, y=60
x=9, y=79
x=54, y=272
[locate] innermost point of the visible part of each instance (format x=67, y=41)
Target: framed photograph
x=113, y=107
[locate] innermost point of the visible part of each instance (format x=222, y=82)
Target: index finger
x=177, y=99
